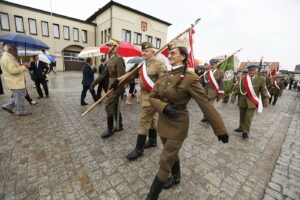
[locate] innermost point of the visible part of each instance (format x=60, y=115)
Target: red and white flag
x=189, y=36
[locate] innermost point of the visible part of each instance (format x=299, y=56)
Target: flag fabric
x=189, y=36
x=228, y=68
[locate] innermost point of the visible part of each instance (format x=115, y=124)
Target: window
x=137, y=38
x=126, y=35
x=19, y=24
x=45, y=29
x=66, y=33
x=56, y=31
x=32, y=26
x=149, y=38
x=102, y=41
x=72, y=56
x=105, y=36
x=84, y=36
x=75, y=34
x=4, y=21
x=157, y=43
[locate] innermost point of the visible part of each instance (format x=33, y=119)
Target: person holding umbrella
x=13, y=74
x=40, y=70
x=115, y=67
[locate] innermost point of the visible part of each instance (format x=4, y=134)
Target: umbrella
x=126, y=50
x=135, y=60
x=44, y=58
x=52, y=60
x=23, y=40
x=90, y=52
x=29, y=52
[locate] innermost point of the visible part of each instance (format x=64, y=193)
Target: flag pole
x=224, y=60
x=125, y=77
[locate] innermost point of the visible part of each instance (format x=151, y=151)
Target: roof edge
x=111, y=3
x=46, y=12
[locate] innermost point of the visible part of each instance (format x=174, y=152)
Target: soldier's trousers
x=147, y=120
x=274, y=99
x=168, y=157
x=111, y=105
x=246, y=115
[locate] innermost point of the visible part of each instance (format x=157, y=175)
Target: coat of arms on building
x=144, y=26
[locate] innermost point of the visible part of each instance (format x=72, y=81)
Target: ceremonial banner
x=228, y=68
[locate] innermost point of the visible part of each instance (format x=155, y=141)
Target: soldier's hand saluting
x=223, y=138
x=170, y=111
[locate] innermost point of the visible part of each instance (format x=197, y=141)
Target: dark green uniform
x=246, y=105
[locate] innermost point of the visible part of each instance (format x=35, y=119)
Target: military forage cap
x=146, y=45
x=264, y=71
x=252, y=67
x=113, y=43
x=213, y=61
x=178, y=43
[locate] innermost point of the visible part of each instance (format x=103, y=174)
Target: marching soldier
x=213, y=83
x=275, y=88
x=169, y=97
x=115, y=68
x=152, y=69
x=250, y=88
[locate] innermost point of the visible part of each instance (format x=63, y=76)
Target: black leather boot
x=120, y=123
x=110, y=124
x=139, y=148
x=152, y=134
x=155, y=189
x=175, y=176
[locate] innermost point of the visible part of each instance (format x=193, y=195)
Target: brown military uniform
x=209, y=90
x=246, y=106
x=155, y=69
x=174, y=131
x=115, y=68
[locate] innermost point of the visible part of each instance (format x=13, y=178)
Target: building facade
x=67, y=36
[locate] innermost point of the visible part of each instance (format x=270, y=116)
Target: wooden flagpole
x=126, y=76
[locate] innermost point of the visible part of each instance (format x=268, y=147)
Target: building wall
x=57, y=46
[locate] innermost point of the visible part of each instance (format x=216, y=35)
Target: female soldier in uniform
x=169, y=97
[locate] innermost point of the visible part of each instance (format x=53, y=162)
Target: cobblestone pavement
x=285, y=182
x=57, y=154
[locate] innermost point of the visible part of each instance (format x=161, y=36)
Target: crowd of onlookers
x=13, y=72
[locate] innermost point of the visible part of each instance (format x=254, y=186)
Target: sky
x=262, y=28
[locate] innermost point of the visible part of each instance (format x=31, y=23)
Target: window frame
x=136, y=36
x=126, y=31
x=86, y=34
x=47, y=28
x=156, y=46
x=68, y=32
x=77, y=35
x=30, y=28
x=18, y=16
x=7, y=20
x=58, y=31
x=147, y=38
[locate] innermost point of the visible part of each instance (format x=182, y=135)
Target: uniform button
x=172, y=75
x=168, y=83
